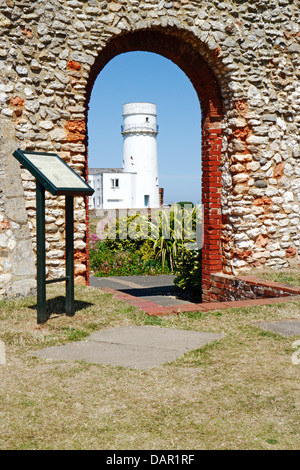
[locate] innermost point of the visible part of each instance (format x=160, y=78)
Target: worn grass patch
x=240, y=392
x=285, y=276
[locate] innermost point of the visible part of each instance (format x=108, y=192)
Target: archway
x=188, y=58
x=141, y=76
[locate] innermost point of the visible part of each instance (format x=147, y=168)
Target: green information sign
x=54, y=175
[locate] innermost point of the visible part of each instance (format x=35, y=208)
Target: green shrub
x=189, y=269
x=113, y=255
x=107, y=262
x=146, y=251
x=175, y=234
x=172, y=248
x=168, y=236
x=185, y=203
x=179, y=248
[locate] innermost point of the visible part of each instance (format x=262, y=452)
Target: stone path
x=144, y=347
x=160, y=290
x=156, y=295
x=285, y=328
x=137, y=347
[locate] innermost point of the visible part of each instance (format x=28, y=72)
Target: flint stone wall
x=50, y=54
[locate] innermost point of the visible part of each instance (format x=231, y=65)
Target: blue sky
x=148, y=77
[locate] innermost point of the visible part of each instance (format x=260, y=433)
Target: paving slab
x=163, y=282
x=285, y=328
x=159, y=289
x=137, y=347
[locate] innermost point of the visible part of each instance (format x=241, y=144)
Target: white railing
x=139, y=129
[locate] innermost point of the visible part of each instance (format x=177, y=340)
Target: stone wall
x=16, y=254
x=243, y=60
x=225, y=288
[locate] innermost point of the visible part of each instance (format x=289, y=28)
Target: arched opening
x=185, y=55
x=148, y=77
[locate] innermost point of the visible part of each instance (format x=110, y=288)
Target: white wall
x=95, y=201
x=121, y=197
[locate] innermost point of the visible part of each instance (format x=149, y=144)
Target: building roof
x=96, y=171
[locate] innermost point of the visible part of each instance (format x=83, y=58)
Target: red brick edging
x=154, y=309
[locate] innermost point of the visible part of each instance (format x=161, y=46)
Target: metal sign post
x=56, y=176
x=41, y=253
x=69, y=256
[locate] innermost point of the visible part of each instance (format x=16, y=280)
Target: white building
x=135, y=185
x=114, y=189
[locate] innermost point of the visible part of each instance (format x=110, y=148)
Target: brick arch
x=188, y=58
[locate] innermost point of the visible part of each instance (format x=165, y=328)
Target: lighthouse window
x=147, y=119
x=115, y=183
x=146, y=200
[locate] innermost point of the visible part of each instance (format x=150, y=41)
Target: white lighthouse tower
x=139, y=131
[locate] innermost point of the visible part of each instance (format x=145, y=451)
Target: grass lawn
x=240, y=392
x=286, y=276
